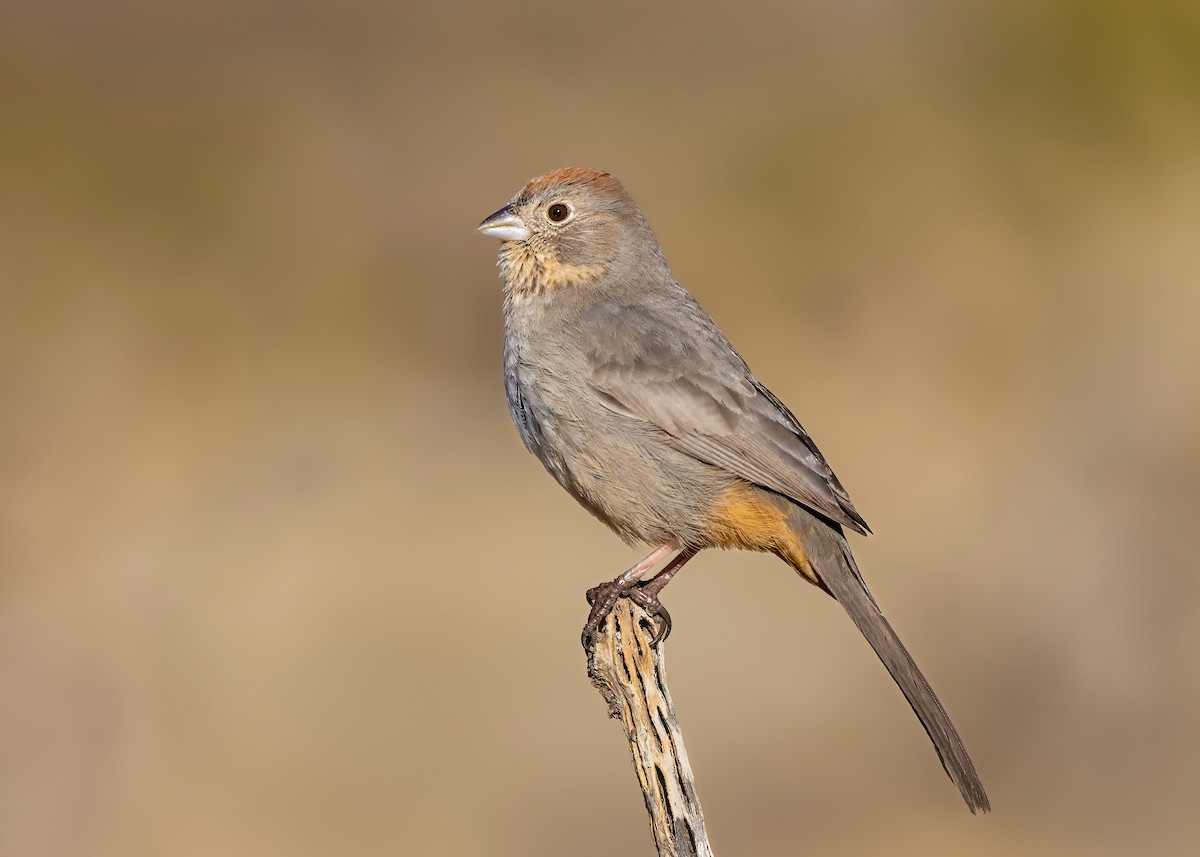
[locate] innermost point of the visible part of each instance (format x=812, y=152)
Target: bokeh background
x=278, y=578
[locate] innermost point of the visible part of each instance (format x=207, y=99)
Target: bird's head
x=567, y=227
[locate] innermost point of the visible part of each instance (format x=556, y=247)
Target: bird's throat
x=530, y=271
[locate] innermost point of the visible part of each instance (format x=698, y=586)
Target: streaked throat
x=530, y=271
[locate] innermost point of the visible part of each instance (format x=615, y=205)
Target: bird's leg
x=642, y=592
x=645, y=594
x=603, y=597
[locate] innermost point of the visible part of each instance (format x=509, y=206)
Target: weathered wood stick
x=629, y=674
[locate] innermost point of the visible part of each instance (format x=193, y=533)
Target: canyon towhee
x=633, y=399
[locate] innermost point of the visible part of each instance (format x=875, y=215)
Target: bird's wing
x=683, y=376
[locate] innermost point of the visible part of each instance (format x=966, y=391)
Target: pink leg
x=635, y=572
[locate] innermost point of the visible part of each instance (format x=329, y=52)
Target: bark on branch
x=629, y=674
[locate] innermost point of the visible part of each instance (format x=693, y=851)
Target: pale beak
x=505, y=225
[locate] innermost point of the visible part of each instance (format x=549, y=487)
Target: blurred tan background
x=278, y=578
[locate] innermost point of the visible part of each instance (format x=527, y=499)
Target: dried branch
x=629, y=674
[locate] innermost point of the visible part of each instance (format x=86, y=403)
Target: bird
x=630, y=395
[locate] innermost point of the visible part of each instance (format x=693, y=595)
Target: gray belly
x=623, y=470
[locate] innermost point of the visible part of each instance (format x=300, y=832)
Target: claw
x=602, y=598
x=649, y=602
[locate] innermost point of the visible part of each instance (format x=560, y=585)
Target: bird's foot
x=643, y=593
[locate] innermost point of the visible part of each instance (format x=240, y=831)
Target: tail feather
x=831, y=560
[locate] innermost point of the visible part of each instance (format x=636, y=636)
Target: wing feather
x=682, y=375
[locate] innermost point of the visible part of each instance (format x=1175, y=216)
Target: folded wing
x=682, y=375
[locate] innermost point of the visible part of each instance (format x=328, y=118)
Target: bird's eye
x=558, y=212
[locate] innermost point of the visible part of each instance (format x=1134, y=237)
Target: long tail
x=829, y=555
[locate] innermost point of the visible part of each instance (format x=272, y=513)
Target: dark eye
x=558, y=212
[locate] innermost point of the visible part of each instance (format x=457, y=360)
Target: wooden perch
x=629, y=674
